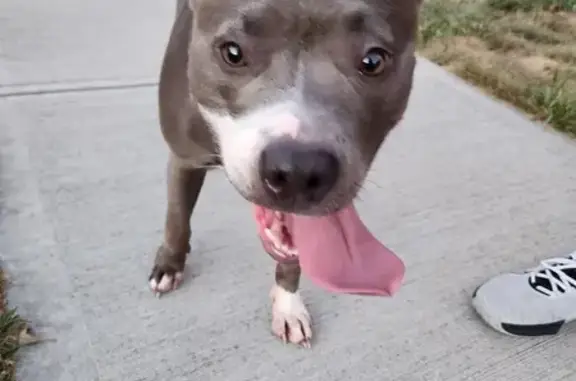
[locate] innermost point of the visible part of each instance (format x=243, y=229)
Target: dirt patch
x=453, y=51
x=570, y=18
x=539, y=65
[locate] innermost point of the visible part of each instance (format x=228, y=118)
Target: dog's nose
x=290, y=169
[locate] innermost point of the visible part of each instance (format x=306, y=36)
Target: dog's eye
x=232, y=54
x=374, y=62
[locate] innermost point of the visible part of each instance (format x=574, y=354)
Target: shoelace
x=554, y=276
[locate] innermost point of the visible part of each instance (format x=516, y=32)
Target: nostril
x=314, y=182
x=276, y=179
x=321, y=174
x=279, y=177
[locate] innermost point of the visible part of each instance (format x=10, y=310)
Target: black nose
x=292, y=170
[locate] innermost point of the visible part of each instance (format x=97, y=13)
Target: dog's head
x=301, y=94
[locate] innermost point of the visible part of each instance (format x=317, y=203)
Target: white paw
x=290, y=319
x=166, y=283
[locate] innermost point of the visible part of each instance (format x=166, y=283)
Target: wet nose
x=291, y=170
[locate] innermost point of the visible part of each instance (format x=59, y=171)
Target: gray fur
x=302, y=59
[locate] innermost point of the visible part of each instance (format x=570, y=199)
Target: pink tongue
x=339, y=254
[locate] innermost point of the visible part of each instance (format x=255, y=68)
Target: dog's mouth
x=276, y=234
x=335, y=250
x=334, y=232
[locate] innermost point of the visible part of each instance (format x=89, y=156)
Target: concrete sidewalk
x=464, y=189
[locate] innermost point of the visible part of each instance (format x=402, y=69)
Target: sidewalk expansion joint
x=71, y=87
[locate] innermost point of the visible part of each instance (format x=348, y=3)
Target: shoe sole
x=511, y=329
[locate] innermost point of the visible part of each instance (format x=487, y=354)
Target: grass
x=521, y=51
x=10, y=327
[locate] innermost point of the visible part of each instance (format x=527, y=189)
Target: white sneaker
x=532, y=303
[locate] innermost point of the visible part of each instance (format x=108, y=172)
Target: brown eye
x=232, y=54
x=374, y=62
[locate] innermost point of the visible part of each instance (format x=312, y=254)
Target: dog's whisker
x=210, y=167
x=372, y=182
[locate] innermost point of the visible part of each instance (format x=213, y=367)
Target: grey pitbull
x=293, y=99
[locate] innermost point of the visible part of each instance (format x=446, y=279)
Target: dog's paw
x=163, y=280
x=290, y=319
x=167, y=273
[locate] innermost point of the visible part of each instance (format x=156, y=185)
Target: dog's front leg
x=290, y=318
x=184, y=185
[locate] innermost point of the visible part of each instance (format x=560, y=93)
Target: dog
x=292, y=99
